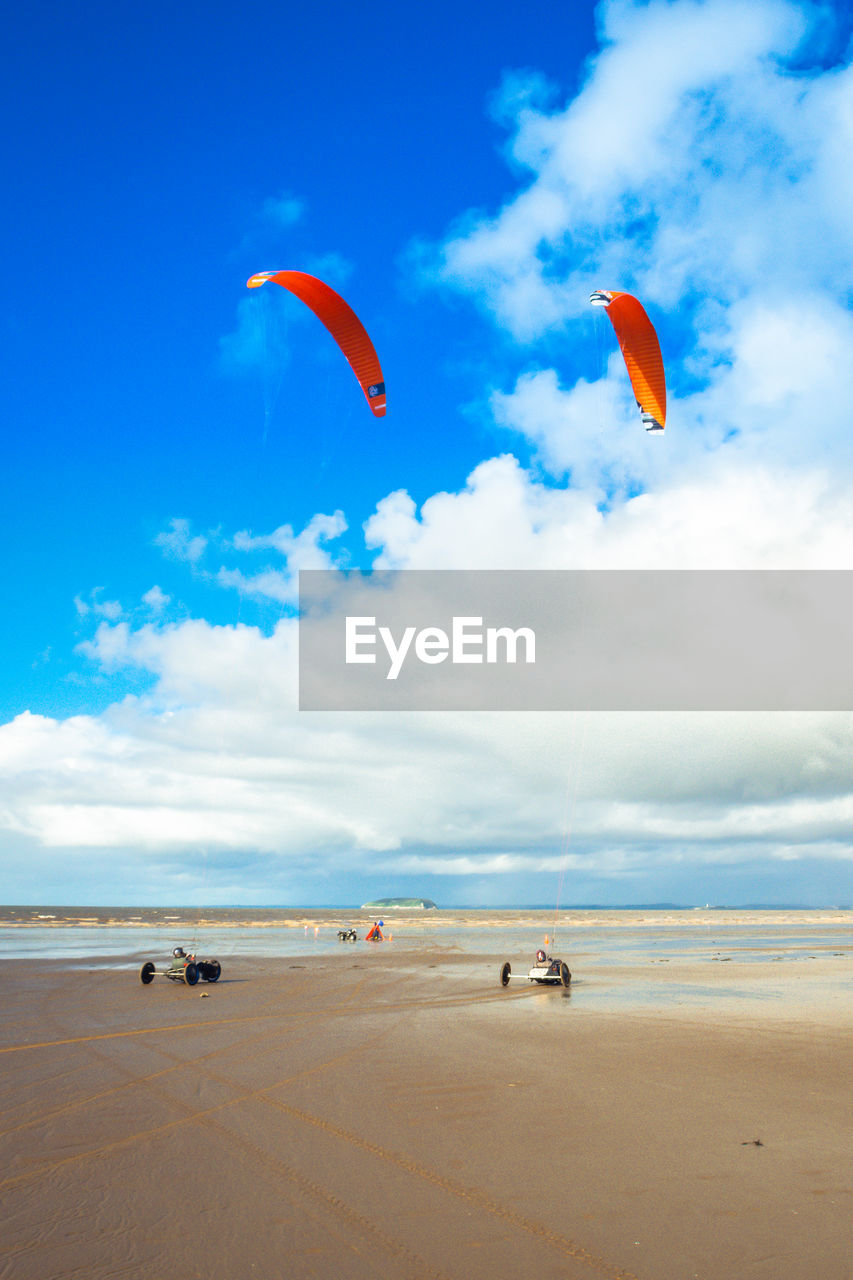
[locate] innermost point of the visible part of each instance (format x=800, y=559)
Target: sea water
x=102, y=937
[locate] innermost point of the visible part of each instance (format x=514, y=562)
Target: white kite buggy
x=182, y=968
x=546, y=971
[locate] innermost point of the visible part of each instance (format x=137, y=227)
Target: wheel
x=212, y=970
x=565, y=976
x=506, y=970
x=191, y=974
x=146, y=973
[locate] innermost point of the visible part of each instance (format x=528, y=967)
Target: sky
x=177, y=448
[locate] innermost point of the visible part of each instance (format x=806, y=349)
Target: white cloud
x=156, y=599
x=216, y=760
x=110, y=609
x=700, y=169
x=277, y=581
x=725, y=518
x=179, y=544
x=302, y=549
x=297, y=550
x=690, y=161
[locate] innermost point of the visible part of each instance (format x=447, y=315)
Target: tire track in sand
x=471, y=1195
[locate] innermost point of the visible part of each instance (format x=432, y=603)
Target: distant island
x=405, y=904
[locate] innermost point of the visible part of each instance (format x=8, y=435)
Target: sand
x=395, y=1113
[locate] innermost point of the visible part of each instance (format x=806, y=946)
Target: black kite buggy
x=183, y=968
x=546, y=971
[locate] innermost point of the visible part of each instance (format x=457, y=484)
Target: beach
x=391, y=1110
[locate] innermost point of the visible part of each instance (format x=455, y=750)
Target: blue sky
x=159, y=159
x=176, y=447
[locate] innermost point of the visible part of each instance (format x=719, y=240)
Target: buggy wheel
x=565, y=976
x=506, y=970
x=191, y=974
x=146, y=973
x=212, y=970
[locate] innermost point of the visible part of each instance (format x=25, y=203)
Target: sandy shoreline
x=327, y=917
x=399, y=1113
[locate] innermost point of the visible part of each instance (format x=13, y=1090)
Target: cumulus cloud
x=690, y=159
x=698, y=167
x=214, y=761
x=703, y=165
x=726, y=518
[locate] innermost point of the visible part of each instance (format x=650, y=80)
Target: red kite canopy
x=641, y=350
x=343, y=324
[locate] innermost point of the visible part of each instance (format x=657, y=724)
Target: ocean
x=123, y=936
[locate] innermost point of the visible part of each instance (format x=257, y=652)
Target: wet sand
x=396, y=1112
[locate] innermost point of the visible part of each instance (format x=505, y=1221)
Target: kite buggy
x=546, y=970
x=182, y=968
